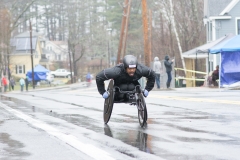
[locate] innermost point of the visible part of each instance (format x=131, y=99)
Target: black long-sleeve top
x=120, y=76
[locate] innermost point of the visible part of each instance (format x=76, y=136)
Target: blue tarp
x=230, y=68
x=230, y=60
x=40, y=73
x=230, y=45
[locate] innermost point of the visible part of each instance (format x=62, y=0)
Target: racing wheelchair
x=133, y=96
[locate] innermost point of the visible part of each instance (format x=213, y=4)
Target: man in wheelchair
x=125, y=76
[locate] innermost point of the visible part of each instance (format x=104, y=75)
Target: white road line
x=88, y=149
x=195, y=99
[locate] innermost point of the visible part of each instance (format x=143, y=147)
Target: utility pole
x=126, y=28
x=70, y=61
x=123, y=34
x=30, y=25
x=108, y=45
x=145, y=31
x=150, y=35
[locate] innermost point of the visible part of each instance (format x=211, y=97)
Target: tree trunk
x=176, y=34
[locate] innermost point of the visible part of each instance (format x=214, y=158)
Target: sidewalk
x=83, y=85
x=74, y=85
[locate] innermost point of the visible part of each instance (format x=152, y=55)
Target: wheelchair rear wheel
x=142, y=110
x=108, y=103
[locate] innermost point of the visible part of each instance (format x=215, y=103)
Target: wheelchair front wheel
x=108, y=103
x=142, y=110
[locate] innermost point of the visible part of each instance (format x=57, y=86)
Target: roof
x=27, y=34
x=230, y=45
x=23, y=44
x=215, y=7
x=45, y=51
x=201, y=51
x=229, y=7
x=59, y=42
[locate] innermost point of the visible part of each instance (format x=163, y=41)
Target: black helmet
x=130, y=61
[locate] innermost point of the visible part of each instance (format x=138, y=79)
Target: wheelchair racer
x=126, y=76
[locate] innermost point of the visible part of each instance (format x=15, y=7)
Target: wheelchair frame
x=135, y=97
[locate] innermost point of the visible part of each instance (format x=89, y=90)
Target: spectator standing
x=12, y=83
x=88, y=79
x=22, y=83
x=26, y=82
x=5, y=83
x=157, y=70
x=168, y=66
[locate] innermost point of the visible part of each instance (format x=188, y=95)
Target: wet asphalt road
x=67, y=123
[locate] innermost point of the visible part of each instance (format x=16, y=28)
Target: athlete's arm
x=150, y=75
x=106, y=74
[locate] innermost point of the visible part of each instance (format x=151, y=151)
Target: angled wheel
x=142, y=110
x=108, y=103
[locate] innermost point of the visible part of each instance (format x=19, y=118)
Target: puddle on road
x=135, y=138
x=13, y=147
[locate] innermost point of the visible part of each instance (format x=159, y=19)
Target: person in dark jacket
x=215, y=76
x=168, y=66
x=26, y=82
x=12, y=83
x=126, y=76
x=212, y=80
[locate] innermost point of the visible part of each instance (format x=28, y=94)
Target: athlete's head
x=130, y=64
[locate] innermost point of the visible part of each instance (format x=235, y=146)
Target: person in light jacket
x=157, y=68
x=22, y=83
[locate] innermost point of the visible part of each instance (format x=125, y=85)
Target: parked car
x=61, y=73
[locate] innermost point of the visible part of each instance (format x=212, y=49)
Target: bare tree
x=12, y=11
x=188, y=32
x=4, y=38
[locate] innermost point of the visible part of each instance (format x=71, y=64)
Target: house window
x=59, y=57
x=209, y=31
x=238, y=26
x=20, y=69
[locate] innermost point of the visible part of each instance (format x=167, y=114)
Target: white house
x=55, y=50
